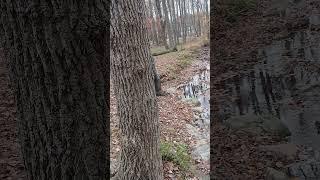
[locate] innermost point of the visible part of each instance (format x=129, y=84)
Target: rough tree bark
x=59, y=73
x=132, y=72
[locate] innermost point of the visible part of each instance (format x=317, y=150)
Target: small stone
x=197, y=109
x=275, y=174
x=279, y=164
x=287, y=149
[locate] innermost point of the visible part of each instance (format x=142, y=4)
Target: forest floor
x=175, y=68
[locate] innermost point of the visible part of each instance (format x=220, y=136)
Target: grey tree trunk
x=178, y=18
x=194, y=18
x=153, y=24
x=162, y=24
x=175, y=7
x=59, y=74
x=174, y=22
x=183, y=20
x=199, y=17
x=133, y=81
x=168, y=24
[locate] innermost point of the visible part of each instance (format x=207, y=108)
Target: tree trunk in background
x=178, y=23
x=178, y=18
x=183, y=20
x=207, y=18
x=194, y=19
x=173, y=25
x=59, y=75
x=131, y=68
x=207, y=8
x=153, y=24
x=199, y=17
x=167, y=22
x=174, y=22
x=162, y=24
x=189, y=18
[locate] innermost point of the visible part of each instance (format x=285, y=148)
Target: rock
x=258, y=124
x=171, y=90
x=202, y=151
x=273, y=174
x=196, y=117
x=305, y=170
x=195, y=102
x=279, y=164
x=289, y=150
x=205, y=177
x=197, y=109
x=113, y=166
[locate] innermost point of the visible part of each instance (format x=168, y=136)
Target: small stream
x=286, y=84
x=198, y=90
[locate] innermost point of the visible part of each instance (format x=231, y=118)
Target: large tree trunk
x=59, y=74
x=134, y=89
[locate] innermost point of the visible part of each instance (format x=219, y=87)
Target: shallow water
x=286, y=83
x=199, y=89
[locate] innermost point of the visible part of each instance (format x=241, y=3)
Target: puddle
x=198, y=89
x=286, y=83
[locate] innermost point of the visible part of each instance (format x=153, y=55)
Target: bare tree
x=154, y=34
x=167, y=22
x=162, y=23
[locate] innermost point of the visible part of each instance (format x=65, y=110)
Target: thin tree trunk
x=133, y=80
x=174, y=22
x=59, y=75
x=178, y=15
x=168, y=24
x=194, y=25
x=199, y=17
x=183, y=18
x=178, y=20
x=162, y=24
x=153, y=24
